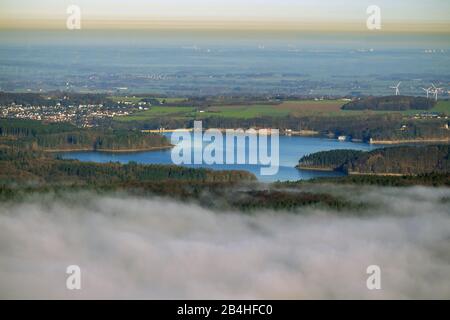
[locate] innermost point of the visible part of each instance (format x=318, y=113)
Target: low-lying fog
x=154, y=248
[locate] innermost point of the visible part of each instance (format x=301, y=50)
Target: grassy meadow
x=294, y=108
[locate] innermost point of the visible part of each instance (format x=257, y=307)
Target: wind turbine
x=436, y=91
x=428, y=90
x=397, y=90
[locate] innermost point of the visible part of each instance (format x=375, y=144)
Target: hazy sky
x=20, y=13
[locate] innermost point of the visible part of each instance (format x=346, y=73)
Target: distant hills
x=391, y=103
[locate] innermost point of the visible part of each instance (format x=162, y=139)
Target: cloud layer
x=154, y=248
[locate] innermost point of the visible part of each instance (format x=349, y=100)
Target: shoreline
x=415, y=141
x=109, y=150
x=316, y=169
x=355, y=173
x=317, y=134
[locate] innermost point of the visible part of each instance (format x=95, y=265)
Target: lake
x=291, y=149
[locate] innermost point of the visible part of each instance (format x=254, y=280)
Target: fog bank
x=153, y=248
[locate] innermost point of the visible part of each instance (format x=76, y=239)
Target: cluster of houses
x=82, y=114
x=430, y=115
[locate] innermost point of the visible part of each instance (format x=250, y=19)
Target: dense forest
x=328, y=160
x=401, y=160
x=405, y=160
x=379, y=127
x=427, y=179
x=41, y=168
x=24, y=173
x=31, y=134
x=29, y=172
x=391, y=103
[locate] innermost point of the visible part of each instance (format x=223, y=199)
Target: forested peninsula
x=60, y=137
x=399, y=160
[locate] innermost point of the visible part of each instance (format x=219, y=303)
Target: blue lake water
x=291, y=149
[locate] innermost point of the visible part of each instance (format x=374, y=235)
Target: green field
x=244, y=112
x=126, y=99
x=299, y=108
x=442, y=106
x=134, y=99
x=171, y=100
x=158, y=112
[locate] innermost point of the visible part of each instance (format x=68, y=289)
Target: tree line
x=399, y=160
x=63, y=136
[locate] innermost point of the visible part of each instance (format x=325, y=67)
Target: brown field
x=310, y=105
x=294, y=108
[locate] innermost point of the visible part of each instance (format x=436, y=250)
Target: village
x=83, y=115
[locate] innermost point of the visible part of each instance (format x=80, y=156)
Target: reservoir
x=291, y=149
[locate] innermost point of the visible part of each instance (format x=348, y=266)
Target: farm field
x=244, y=111
x=125, y=99
x=158, y=112
x=136, y=99
x=295, y=108
x=442, y=106
x=312, y=105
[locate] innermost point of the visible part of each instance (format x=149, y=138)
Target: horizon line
x=227, y=25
